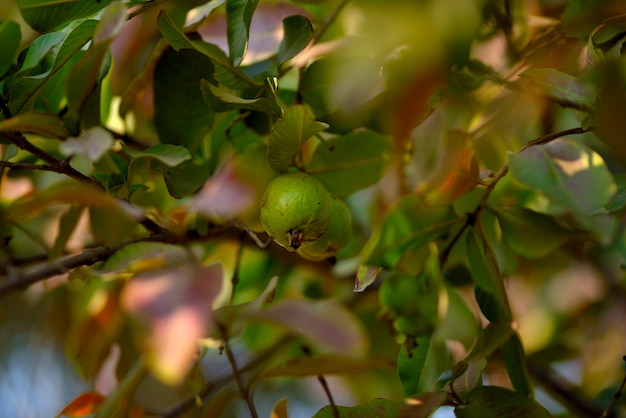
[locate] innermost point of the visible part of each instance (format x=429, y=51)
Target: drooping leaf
x=531, y=234
x=419, y=370
x=221, y=99
x=459, y=323
x=83, y=405
x=280, y=409
x=175, y=305
x=327, y=324
x=470, y=378
x=489, y=288
x=373, y=409
x=26, y=89
x=45, y=15
x=515, y=362
x=238, y=18
x=92, y=144
x=38, y=123
x=67, y=225
x=563, y=88
x=297, y=33
x=351, y=162
x=568, y=173
x=494, y=401
x=407, y=225
x=288, y=136
x=421, y=405
x=185, y=178
x=10, y=37
x=167, y=154
x=225, y=73
x=606, y=41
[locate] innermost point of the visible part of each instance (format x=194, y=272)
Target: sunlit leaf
x=372, y=409
x=92, y=144
x=221, y=99
x=170, y=155
x=10, y=37
x=297, y=33
x=288, y=136
x=421, y=405
x=39, y=123
x=128, y=257
x=326, y=365
x=351, y=162
x=175, y=305
x=26, y=90
x=327, y=324
x=407, y=225
x=238, y=18
x=280, y=409
x=45, y=15
x=568, y=173
x=365, y=276
x=83, y=405
x=493, y=401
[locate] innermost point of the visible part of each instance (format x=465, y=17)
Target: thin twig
x=235, y=278
x=243, y=390
x=328, y=22
x=615, y=398
x=324, y=384
x=27, y=166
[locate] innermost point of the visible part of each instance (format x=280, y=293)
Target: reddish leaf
x=175, y=305
x=84, y=404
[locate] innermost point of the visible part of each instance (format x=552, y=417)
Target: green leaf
x=221, y=99
x=185, y=178
x=225, y=73
x=490, y=292
x=10, y=38
x=288, y=136
x=45, y=15
x=238, y=17
x=167, y=154
x=25, y=90
x=325, y=365
x=491, y=338
x=459, y=323
x=411, y=365
x=568, y=173
x=407, y=225
x=565, y=89
x=498, y=402
x=181, y=115
x=110, y=228
x=373, y=409
x=515, y=362
x=297, y=33
x=470, y=377
x=351, y=162
x=365, y=276
x=67, y=225
x=531, y=234
x=421, y=405
x=618, y=201
x=38, y=123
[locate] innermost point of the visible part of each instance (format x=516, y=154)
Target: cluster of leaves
x=145, y=132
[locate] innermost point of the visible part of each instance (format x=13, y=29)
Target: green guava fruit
x=336, y=236
x=296, y=210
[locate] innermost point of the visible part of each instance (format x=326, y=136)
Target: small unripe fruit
x=296, y=210
x=336, y=236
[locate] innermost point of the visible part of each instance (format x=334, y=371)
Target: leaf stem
x=615, y=398
x=243, y=390
x=328, y=22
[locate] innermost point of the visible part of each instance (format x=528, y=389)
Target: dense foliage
x=471, y=153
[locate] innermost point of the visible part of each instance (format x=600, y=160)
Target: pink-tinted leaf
x=175, y=305
x=84, y=404
x=111, y=22
x=92, y=144
x=327, y=324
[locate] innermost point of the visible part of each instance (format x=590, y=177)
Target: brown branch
x=27, y=166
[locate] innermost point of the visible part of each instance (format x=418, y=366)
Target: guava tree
x=323, y=208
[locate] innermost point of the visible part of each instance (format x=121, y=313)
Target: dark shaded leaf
x=238, y=18
x=498, y=402
x=325, y=365
x=373, y=409
x=45, y=15
x=297, y=33
x=221, y=99
x=10, y=37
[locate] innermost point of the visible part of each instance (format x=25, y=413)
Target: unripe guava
x=296, y=210
x=336, y=236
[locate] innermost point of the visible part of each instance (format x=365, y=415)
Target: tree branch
x=27, y=166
